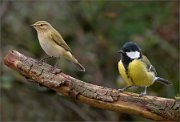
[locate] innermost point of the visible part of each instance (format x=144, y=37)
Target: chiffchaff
x=53, y=44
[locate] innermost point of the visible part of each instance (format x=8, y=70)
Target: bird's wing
x=57, y=38
x=148, y=64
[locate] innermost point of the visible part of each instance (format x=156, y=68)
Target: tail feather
x=69, y=56
x=79, y=66
x=163, y=81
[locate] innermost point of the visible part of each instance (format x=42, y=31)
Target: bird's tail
x=79, y=66
x=70, y=57
x=163, y=81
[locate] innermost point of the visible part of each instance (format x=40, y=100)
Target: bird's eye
x=41, y=24
x=126, y=50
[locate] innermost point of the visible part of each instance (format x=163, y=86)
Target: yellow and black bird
x=136, y=69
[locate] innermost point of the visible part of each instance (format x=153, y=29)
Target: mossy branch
x=151, y=107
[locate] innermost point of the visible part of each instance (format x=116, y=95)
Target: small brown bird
x=53, y=44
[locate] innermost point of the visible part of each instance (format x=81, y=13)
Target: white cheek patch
x=133, y=55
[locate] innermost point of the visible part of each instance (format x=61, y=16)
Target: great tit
x=136, y=69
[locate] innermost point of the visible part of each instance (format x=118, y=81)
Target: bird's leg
x=43, y=59
x=56, y=64
x=123, y=89
x=143, y=93
x=54, y=69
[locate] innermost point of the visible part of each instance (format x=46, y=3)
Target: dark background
x=95, y=31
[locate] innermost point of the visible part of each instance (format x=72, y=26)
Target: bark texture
x=151, y=107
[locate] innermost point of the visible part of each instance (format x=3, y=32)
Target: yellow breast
x=138, y=74
x=123, y=73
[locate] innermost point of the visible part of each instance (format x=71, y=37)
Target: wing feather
x=150, y=67
x=57, y=38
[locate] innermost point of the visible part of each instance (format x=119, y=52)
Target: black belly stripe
x=126, y=70
x=129, y=77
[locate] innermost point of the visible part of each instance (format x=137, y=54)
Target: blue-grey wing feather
x=150, y=67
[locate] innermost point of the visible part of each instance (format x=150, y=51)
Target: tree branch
x=151, y=107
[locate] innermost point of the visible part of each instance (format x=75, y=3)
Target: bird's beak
x=120, y=51
x=33, y=25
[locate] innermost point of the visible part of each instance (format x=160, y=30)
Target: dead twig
x=152, y=107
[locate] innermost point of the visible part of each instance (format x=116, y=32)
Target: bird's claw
x=121, y=90
x=54, y=70
x=40, y=63
x=142, y=94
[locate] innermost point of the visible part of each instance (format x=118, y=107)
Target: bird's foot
x=40, y=62
x=121, y=90
x=142, y=94
x=54, y=70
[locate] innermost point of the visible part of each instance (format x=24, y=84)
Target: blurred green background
x=95, y=31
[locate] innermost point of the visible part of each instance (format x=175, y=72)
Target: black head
x=129, y=52
x=130, y=47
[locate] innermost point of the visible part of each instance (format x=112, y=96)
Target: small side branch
x=151, y=107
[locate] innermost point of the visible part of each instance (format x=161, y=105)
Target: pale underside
x=53, y=49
